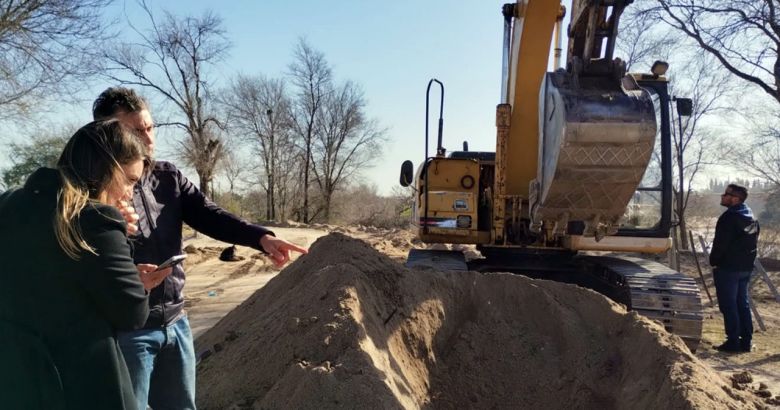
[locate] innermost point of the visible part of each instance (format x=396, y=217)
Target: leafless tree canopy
x=695, y=144
x=310, y=139
x=346, y=142
x=760, y=156
x=309, y=135
x=645, y=38
x=362, y=204
x=258, y=112
x=743, y=35
x=45, y=49
x=641, y=41
x=233, y=168
x=312, y=77
x=172, y=59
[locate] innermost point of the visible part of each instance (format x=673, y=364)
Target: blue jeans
x=162, y=365
x=732, y=290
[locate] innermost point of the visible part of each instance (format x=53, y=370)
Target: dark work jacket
x=736, y=240
x=163, y=199
x=58, y=316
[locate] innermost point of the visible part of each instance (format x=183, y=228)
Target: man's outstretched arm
x=205, y=216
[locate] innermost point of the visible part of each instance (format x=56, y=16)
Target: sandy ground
x=764, y=361
x=214, y=288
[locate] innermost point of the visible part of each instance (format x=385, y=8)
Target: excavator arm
x=592, y=34
x=572, y=145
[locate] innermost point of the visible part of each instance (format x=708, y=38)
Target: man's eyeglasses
x=728, y=194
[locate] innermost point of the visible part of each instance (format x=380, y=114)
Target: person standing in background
x=733, y=254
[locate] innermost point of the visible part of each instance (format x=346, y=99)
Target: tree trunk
x=683, y=224
x=680, y=204
x=306, y=184
x=269, y=199
x=326, y=210
x=684, y=234
x=273, y=199
x=272, y=177
x=205, y=178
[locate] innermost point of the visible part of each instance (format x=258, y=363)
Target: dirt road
x=214, y=287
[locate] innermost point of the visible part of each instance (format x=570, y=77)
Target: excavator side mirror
x=684, y=106
x=407, y=173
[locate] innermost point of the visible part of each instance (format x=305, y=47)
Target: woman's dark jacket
x=58, y=316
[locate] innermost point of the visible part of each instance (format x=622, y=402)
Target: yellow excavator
x=583, y=165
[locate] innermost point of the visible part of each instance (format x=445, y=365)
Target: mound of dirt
x=347, y=327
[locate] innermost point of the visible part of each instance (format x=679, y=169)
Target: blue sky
x=391, y=48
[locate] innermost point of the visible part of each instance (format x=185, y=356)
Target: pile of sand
x=346, y=327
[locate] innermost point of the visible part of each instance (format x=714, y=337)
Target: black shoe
x=747, y=348
x=729, y=347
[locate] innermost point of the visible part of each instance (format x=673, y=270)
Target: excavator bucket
x=597, y=139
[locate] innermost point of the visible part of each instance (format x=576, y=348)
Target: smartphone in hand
x=172, y=261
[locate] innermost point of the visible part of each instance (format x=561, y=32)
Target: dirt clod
x=742, y=378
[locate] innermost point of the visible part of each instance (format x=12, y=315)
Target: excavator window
x=644, y=209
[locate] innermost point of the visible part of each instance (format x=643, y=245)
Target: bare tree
x=345, y=143
x=762, y=158
x=259, y=110
x=758, y=156
x=694, y=144
x=641, y=41
x=172, y=59
x=45, y=49
x=743, y=35
x=311, y=75
x=288, y=190
x=233, y=169
x=644, y=40
x=361, y=204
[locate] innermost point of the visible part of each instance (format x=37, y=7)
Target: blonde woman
x=67, y=277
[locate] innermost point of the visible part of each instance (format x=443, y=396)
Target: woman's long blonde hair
x=90, y=162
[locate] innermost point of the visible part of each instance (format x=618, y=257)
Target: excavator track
x=654, y=291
